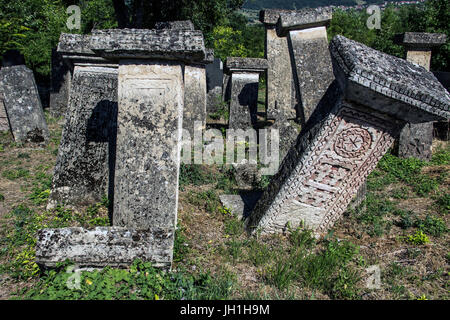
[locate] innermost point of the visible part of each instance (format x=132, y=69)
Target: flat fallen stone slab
x=246, y=64
x=173, y=44
x=303, y=19
x=421, y=39
x=104, y=246
x=240, y=205
x=367, y=70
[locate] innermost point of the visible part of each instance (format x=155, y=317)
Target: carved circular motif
x=353, y=142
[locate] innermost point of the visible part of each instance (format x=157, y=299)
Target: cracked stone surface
x=23, y=105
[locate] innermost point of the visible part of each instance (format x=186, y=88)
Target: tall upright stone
x=355, y=124
x=214, y=85
x=84, y=168
x=151, y=98
x=61, y=75
x=23, y=105
x=307, y=37
x=195, y=98
x=416, y=139
x=280, y=94
x=244, y=90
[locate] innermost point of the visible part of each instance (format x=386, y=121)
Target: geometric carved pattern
x=353, y=142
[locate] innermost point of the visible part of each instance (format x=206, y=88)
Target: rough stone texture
x=4, y=124
x=60, y=85
x=244, y=100
x=173, y=44
x=179, y=25
x=420, y=39
x=104, y=246
x=421, y=57
x=280, y=80
x=23, y=105
x=271, y=16
x=344, y=140
x=416, y=141
x=75, y=45
x=303, y=19
x=245, y=64
x=148, y=144
x=240, y=205
x=246, y=174
x=288, y=133
x=194, y=98
x=405, y=90
x=86, y=152
x=442, y=128
x=313, y=68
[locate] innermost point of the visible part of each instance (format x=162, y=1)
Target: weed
x=16, y=174
x=259, y=253
x=443, y=203
x=418, y=238
x=194, y=174
x=432, y=225
x=233, y=227
x=180, y=246
x=2, y=197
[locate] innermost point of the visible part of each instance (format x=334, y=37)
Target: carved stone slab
x=23, y=105
x=174, y=44
x=104, y=246
x=86, y=153
x=342, y=144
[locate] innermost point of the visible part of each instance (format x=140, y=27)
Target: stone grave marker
x=341, y=145
x=83, y=172
x=151, y=98
x=61, y=75
x=416, y=139
x=244, y=90
x=23, y=105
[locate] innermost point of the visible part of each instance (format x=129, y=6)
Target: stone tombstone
x=4, y=124
x=244, y=90
x=280, y=94
x=83, y=172
x=214, y=85
x=361, y=114
x=307, y=37
x=150, y=98
x=61, y=75
x=195, y=98
x=23, y=105
x=416, y=139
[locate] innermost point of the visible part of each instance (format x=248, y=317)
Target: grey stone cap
x=179, y=25
x=209, y=56
x=420, y=39
x=171, y=44
x=389, y=76
x=245, y=64
x=303, y=19
x=75, y=44
x=104, y=246
x=271, y=16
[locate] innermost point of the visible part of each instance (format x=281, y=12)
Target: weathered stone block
x=86, y=155
x=303, y=19
x=148, y=144
x=416, y=141
x=420, y=39
x=342, y=144
x=23, y=105
x=245, y=64
x=194, y=98
x=244, y=100
x=172, y=44
x=313, y=68
x=104, y=246
x=214, y=75
x=240, y=205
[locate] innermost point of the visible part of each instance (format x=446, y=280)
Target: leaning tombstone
x=83, y=172
x=416, y=139
x=23, y=105
x=244, y=90
x=376, y=95
x=150, y=97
